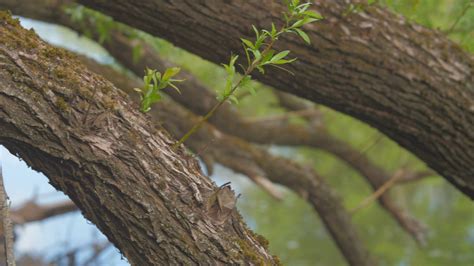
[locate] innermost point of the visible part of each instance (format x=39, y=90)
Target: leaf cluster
x=153, y=83
x=298, y=15
x=259, y=53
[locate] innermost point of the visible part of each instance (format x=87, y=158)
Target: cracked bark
x=149, y=200
x=411, y=83
x=255, y=162
x=199, y=99
x=121, y=48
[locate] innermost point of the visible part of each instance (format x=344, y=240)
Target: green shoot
x=260, y=54
x=154, y=82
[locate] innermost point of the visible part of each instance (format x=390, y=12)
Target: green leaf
x=308, y=20
x=274, y=31
x=298, y=23
x=245, y=81
x=260, y=40
x=303, y=35
x=248, y=43
x=233, y=59
x=280, y=55
x=283, y=61
x=257, y=33
x=303, y=7
x=256, y=54
x=170, y=72
x=174, y=87
x=233, y=99
x=247, y=55
x=268, y=56
x=313, y=14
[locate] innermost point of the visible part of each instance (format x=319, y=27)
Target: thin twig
x=463, y=13
x=379, y=192
x=7, y=223
x=367, y=148
x=300, y=113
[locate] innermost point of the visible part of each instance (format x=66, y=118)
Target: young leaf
x=280, y=55
x=174, y=87
x=170, y=72
x=313, y=14
x=303, y=35
x=283, y=61
x=274, y=31
x=248, y=43
x=233, y=99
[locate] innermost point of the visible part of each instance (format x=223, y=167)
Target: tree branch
x=7, y=224
x=419, y=96
x=255, y=162
x=118, y=169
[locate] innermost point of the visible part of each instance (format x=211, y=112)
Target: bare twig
x=7, y=223
x=379, y=192
x=285, y=116
x=463, y=13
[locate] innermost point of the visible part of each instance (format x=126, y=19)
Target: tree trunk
x=151, y=201
x=411, y=83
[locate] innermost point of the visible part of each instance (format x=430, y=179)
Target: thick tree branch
x=199, y=99
x=255, y=162
x=283, y=134
x=33, y=212
x=411, y=83
x=7, y=225
x=150, y=201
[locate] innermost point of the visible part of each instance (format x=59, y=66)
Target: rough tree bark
x=257, y=163
x=230, y=151
x=411, y=83
x=151, y=201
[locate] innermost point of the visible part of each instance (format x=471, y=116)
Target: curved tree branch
x=255, y=162
x=411, y=83
x=152, y=202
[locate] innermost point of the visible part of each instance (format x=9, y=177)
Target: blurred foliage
x=442, y=15
x=296, y=234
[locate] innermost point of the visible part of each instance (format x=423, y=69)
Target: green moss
x=60, y=73
x=53, y=52
x=106, y=89
x=61, y=104
x=110, y=104
x=249, y=253
x=6, y=18
x=260, y=239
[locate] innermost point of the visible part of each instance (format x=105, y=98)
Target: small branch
x=414, y=176
x=463, y=13
x=379, y=192
x=285, y=116
x=32, y=212
x=7, y=223
x=268, y=186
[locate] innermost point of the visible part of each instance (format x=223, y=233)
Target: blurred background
x=292, y=227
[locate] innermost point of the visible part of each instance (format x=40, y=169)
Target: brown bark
x=411, y=83
x=257, y=163
x=33, y=212
x=198, y=99
x=241, y=156
x=151, y=201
